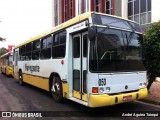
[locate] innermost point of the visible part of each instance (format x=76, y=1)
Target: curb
x=148, y=100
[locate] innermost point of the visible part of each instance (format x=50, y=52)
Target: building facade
x=64, y=10
x=143, y=12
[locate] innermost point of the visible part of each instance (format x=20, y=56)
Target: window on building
x=36, y=50
x=108, y=7
x=140, y=11
x=70, y=9
x=82, y=6
x=97, y=5
x=65, y=10
x=59, y=45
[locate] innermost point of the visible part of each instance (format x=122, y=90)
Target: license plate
x=126, y=98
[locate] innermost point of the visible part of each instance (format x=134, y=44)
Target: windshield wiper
x=106, y=27
x=106, y=53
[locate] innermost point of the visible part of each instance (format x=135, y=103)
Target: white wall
x=125, y=9
x=155, y=10
x=77, y=7
x=53, y=20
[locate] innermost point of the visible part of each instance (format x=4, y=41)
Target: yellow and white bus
x=93, y=59
x=6, y=62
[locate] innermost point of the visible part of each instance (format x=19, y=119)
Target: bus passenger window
x=59, y=45
x=22, y=53
x=62, y=36
x=36, y=49
x=56, y=40
x=46, y=47
x=28, y=51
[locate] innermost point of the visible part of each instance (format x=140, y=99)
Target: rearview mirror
x=92, y=33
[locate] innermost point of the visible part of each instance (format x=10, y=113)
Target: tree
x=3, y=51
x=151, y=51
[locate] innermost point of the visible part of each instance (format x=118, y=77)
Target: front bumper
x=106, y=100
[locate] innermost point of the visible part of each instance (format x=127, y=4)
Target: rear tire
x=21, y=78
x=56, y=89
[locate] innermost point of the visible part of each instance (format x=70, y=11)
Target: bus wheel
x=21, y=79
x=56, y=89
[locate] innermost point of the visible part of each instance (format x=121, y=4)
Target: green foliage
x=3, y=51
x=151, y=49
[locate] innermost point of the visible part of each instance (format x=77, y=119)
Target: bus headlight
x=101, y=89
x=144, y=84
x=140, y=84
x=108, y=89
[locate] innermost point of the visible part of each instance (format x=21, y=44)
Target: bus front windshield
x=115, y=51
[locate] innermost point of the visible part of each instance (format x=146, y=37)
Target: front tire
x=56, y=89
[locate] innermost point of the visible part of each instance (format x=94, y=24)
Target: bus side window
x=28, y=51
x=59, y=45
x=46, y=44
x=36, y=50
x=22, y=53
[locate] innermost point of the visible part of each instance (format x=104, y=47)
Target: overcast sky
x=23, y=19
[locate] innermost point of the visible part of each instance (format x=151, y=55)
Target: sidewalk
x=154, y=93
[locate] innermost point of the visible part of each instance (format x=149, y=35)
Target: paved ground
x=154, y=93
x=14, y=97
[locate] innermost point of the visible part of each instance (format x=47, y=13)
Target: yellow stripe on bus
x=106, y=100
x=65, y=87
x=9, y=70
x=39, y=82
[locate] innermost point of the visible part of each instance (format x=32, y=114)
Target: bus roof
x=65, y=25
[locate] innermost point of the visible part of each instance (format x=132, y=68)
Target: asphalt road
x=14, y=97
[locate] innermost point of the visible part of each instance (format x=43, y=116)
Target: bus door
x=80, y=46
x=15, y=64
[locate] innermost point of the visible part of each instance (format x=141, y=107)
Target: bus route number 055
x=102, y=82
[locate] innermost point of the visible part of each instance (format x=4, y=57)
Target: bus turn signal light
x=94, y=89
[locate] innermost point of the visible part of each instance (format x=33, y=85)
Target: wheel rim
x=20, y=79
x=55, y=89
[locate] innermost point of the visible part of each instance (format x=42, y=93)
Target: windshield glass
x=115, y=50
x=115, y=22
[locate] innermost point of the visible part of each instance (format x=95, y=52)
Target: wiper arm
x=106, y=53
x=107, y=26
